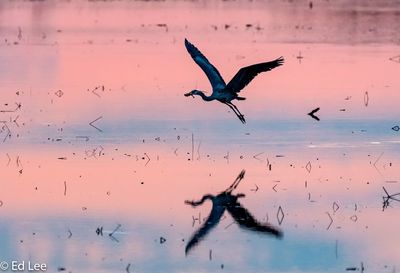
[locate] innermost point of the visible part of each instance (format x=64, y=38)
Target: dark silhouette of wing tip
x=186, y=251
x=187, y=43
x=280, y=60
x=279, y=234
x=273, y=231
x=188, y=247
x=189, y=46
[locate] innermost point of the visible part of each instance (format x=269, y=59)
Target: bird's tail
x=240, y=98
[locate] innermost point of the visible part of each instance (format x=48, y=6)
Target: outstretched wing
x=216, y=80
x=211, y=222
x=246, y=74
x=247, y=221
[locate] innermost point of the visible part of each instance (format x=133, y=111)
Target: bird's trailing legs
x=236, y=111
x=236, y=182
x=227, y=191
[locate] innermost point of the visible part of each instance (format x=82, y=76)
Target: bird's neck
x=204, y=97
x=207, y=196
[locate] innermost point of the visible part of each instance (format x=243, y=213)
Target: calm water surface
x=111, y=199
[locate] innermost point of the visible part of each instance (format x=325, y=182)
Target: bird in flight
x=227, y=201
x=221, y=91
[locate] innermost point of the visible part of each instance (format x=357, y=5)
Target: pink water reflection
x=133, y=73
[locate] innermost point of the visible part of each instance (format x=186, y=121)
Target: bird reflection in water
x=227, y=201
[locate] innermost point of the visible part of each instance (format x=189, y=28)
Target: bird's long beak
x=188, y=95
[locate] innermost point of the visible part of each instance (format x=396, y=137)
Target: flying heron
x=227, y=201
x=221, y=91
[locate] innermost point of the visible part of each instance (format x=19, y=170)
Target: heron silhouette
x=221, y=91
x=227, y=201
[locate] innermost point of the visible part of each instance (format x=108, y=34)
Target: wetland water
x=110, y=197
